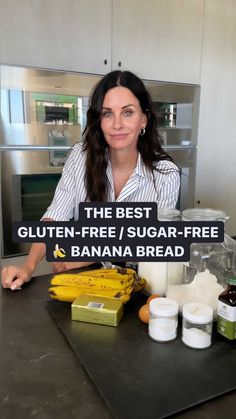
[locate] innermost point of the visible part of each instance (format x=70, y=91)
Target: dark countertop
x=42, y=378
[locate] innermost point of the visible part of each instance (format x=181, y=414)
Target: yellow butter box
x=97, y=309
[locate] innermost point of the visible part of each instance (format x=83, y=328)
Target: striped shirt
x=142, y=186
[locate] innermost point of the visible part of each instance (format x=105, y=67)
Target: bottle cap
x=232, y=281
x=163, y=307
x=197, y=313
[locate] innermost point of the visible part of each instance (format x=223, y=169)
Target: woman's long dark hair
x=94, y=142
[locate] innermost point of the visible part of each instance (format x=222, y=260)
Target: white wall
x=216, y=166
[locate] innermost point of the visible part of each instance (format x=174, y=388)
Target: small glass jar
x=163, y=320
x=197, y=325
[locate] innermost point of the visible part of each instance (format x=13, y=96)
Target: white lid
x=204, y=214
x=167, y=214
x=163, y=307
x=198, y=313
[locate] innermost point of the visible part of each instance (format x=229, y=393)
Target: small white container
x=197, y=325
x=163, y=320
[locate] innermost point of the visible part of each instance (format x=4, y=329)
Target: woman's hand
x=66, y=266
x=14, y=277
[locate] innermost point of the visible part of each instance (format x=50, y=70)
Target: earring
x=142, y=131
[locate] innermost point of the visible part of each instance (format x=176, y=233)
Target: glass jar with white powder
x=197, y=325
x=163, y=321
x=205, y=275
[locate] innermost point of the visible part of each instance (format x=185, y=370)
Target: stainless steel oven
x=185, y=157
x=27, y=187
x=28, y=183
x=42, y=115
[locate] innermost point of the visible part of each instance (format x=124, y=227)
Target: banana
x=88, y=280
x=115, y=271
x=69, y=294
x=115, y=282
x=139, y=283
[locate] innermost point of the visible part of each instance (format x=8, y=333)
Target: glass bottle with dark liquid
x=226, y=321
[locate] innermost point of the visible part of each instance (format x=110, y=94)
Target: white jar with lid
x=163, y=319
x=197, y=325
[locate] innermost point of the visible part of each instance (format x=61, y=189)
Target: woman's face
x=122, y=118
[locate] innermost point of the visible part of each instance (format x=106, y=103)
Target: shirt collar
x=140, y=171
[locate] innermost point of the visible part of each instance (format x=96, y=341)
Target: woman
x=121, y=160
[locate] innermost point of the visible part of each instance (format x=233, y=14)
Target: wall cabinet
x=70, y=35
x=157, y=39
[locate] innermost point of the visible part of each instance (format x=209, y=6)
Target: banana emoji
x=59, y=252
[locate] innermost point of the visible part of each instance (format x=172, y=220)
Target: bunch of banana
x=139, y=283
x=110, y=282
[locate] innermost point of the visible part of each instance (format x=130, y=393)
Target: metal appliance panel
x=28, y=183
